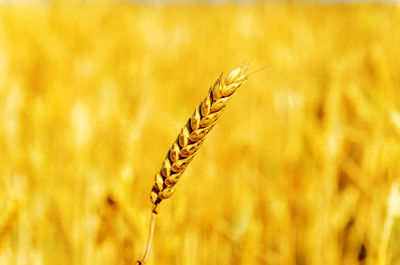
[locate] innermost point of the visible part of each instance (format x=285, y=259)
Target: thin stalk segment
x=149, y=240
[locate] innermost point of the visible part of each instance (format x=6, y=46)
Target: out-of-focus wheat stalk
x=8, y=219
x=190, y=139
x=389, y=247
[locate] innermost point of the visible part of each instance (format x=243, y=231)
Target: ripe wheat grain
x=193, y=134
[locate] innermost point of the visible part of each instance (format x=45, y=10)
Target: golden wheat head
x=193, y=134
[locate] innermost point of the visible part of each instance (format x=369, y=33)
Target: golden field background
x=303, y=167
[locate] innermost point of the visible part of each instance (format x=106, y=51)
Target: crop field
x=303, y=167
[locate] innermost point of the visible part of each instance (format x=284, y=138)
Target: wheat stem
x=149, y=240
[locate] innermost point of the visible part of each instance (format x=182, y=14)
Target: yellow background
x=299, y=169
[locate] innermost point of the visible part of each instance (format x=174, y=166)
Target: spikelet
x=193, y=134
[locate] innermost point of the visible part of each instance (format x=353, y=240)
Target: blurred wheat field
x=303, y=167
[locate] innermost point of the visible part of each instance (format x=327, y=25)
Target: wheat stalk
x=190, y=139
x=8, y=220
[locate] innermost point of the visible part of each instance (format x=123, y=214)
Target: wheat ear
x=190, y=139
x=193, y=134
